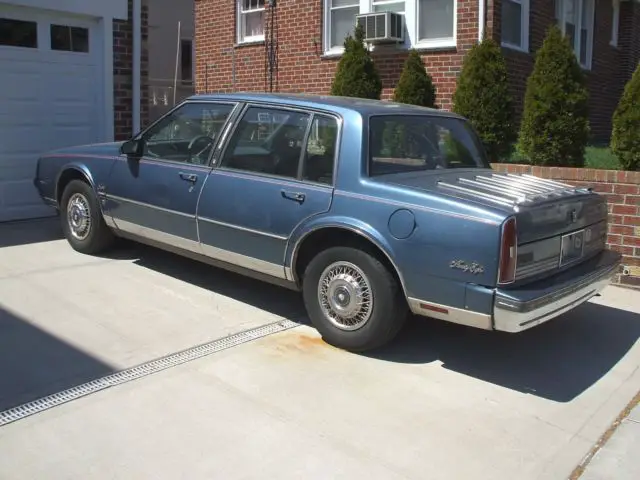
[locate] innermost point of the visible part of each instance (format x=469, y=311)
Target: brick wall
x=301, y=64
x=622, y=191
x=607, y=76
x=123, y=73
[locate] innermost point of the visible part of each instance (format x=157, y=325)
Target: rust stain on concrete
x=298, y=342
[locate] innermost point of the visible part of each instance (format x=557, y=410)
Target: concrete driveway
x=441, y=402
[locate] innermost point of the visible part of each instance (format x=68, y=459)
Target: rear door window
x=268, y=141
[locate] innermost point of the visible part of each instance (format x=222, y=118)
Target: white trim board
x=94, y=8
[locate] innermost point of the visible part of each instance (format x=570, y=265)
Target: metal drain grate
x=124, y=376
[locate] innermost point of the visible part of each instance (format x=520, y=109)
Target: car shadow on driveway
x=558, y=360
x=271, y=298
x=30, y=231
x=34, y=364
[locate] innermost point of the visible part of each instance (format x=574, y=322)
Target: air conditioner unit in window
x=382, y=27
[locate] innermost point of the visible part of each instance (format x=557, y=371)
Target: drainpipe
x=136, y=60
x=481, y=20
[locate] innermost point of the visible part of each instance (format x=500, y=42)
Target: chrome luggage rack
x=512, y=190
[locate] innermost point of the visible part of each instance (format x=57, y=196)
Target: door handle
x=188, y=177
x=295, y=196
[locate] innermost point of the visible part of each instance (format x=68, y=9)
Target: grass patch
x=601, y=157
x=595, y=157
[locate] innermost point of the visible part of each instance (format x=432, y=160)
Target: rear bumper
x=520, y=309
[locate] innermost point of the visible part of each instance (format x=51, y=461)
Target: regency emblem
x=473, y=267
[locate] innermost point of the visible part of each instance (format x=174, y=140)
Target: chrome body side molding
x=451, y=314
x=242, y=261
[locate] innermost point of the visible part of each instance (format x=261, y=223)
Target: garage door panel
x=19, y=168
x=23, y=111
x=19, y=140
x=19, y=87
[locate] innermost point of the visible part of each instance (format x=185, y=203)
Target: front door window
x=188, y=133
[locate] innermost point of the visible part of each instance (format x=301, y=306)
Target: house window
x=615, y=22
x=436, y=21
x=575, y=19
x=515, y=24
x=341, y=22
x=250, y=21
x=427, y=23
x=186, y=61
x=69, y=39
x=18, y=33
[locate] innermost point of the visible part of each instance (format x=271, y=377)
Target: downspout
x=136, y=61
x=481, y=19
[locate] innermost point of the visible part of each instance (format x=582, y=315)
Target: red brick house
x=294, y=45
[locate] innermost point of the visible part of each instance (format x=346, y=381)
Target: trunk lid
x=559, y=225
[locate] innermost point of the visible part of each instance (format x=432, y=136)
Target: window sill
x=332, y=54
x=614, y=45
x=249, y=43
x=399, y=47
x=433, y=45
x=516, y=48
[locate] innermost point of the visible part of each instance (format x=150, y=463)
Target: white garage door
x=50, y=97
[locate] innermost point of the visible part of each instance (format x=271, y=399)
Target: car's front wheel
x=353, y=299
x=82, y=222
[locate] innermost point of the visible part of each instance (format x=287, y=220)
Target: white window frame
x=381, y=3
x=411, y=16
x=590, y=5
x=240, y=14
x=615, y=22
x=524, y=28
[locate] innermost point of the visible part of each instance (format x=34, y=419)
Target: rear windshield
x=406, y=143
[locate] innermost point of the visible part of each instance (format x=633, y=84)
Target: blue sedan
x=371, y=209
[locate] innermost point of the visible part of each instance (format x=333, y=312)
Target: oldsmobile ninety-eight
x=371, y=209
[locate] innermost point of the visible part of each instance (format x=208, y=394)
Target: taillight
x=508, y=252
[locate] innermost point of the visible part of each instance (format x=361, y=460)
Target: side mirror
x=131, y=148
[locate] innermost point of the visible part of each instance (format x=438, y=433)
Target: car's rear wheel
x=82, y=222
x=353, y=299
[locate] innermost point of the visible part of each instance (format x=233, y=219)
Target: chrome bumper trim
x=515, y=316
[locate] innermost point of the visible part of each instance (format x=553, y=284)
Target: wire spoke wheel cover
x=79, y=216
x=345, y=296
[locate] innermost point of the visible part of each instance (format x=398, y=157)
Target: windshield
x=407, y=143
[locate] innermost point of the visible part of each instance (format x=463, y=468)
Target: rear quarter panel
x=437, y=253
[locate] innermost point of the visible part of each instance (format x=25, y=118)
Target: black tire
x=387, y=315
x=98, y=237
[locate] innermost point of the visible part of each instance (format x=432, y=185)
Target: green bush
x=356, y=74
x=482, y=95
x=555, y=121
x=415, y=85
x=625, y=138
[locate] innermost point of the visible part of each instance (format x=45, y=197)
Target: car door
x=153, y=194
x=275, y=172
